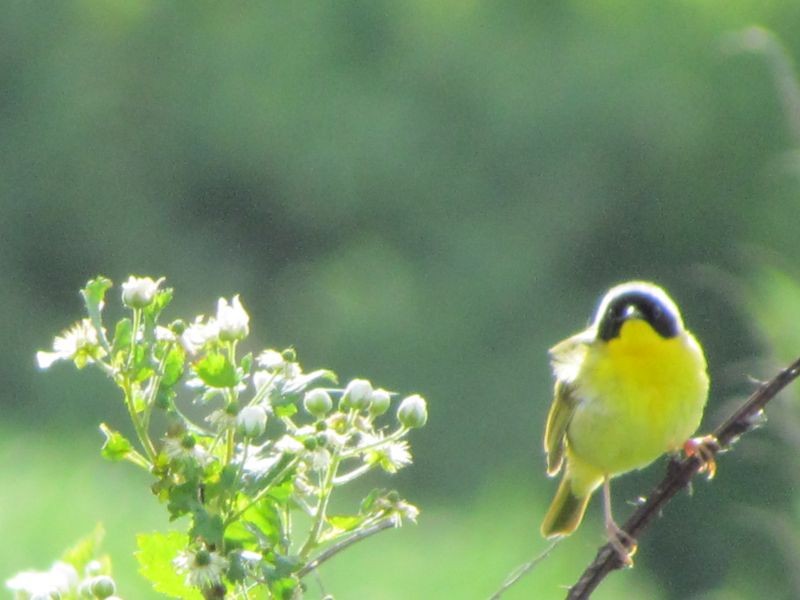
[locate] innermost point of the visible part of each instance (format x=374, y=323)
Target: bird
x=628, y=389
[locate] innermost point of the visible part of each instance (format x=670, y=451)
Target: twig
x=522, y=570
x=339, y=546
x=678, y=477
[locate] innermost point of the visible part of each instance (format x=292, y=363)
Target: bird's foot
x=705, y=448
x=624, y=544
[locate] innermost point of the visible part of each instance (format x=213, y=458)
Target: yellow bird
x=629, y=388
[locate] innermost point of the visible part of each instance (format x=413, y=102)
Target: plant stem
x=324, y=497
x=339, y=546
x=138, y=426
x=263, y=492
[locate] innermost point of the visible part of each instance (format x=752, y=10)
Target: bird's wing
x=566, y=358
x=555, y=433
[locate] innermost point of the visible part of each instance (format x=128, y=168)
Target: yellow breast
x=640, y=395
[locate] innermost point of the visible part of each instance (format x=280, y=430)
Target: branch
x=679, y=475
x=339, y=546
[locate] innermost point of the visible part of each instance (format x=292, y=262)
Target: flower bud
x=178, y=326
x=380, y=402
x=103, y=586
x=252, y=421
x=92, y=568
x=413, y=412
x=138, y=292
x=232, y=320
x=318, y=402
x=357, y=394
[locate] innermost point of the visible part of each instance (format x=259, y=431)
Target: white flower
x=79, y=342
x=270, y=359
x=357, y=394
x=198, y=334
x=390, y=456
x=164, y=334
x=186, y=449
x=203, y=568
x=317, y=402
x=404, y=510
x=222, y=419
x=320, y=459
x=413, y=412
x=232, y=319
x=139, y=292
x=59, y=580
x=252, y=421
x=398, y=454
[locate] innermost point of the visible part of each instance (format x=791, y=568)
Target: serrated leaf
x=95, y=291
x=215, y=370
x=221, y=483
x=122, y=335
x=162, y=300
x=173, y=366
x=182, y=499
x=116, y=446
x=85, y=550
x=207, y=526
x=155, y=555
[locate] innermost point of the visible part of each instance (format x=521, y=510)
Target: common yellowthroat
x=629, y=388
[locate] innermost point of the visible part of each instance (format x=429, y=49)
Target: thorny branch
x=679, y=476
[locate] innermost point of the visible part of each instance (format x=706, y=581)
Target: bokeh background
x=428, y=194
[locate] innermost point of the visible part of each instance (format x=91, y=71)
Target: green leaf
x=183, y=499
x=142, y=369
x=222, y=484
x=369, y=501
x=215, y=370
x=94, y=293
x=247, y=362
x=153, y=310
x=122, y=335
x=346, y=522
x=207, y=526
x=173, y=366
x=85, y=550
x=284, y=588
x=161, y=301
x=287, y=410
x=155, y=555
x=116, y=446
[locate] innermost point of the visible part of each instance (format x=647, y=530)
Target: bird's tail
x=566, y=511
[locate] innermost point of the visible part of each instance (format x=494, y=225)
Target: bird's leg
x=620, y=540
x=705, y=448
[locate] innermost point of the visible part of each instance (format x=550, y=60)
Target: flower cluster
x=62, y=580
x=254, y=467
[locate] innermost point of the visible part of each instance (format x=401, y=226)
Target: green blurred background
x=428, y=194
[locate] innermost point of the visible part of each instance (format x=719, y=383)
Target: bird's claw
x=705, y=448
x=624, y=544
